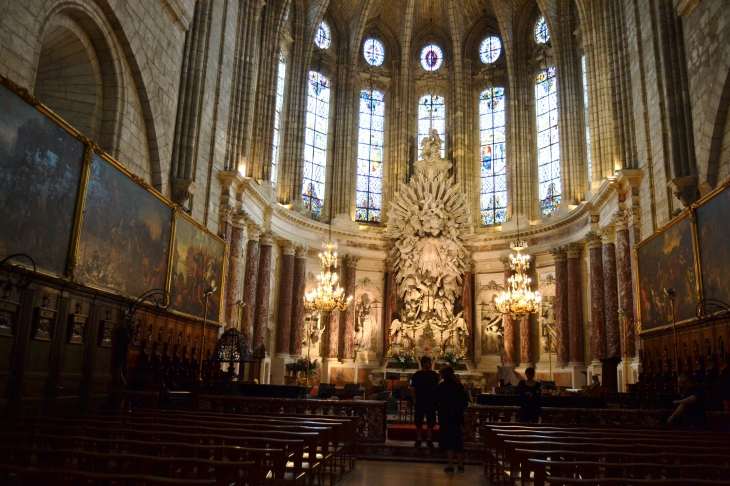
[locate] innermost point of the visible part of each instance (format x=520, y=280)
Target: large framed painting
x=125, y=234
x=197, y=264
x=40, y=169
x=667, y=261
x=714, y=245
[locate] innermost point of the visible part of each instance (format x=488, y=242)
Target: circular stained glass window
x=431, y=57
x=323, y=36
x=490, y=50
x=374, y=52
x=542, y=33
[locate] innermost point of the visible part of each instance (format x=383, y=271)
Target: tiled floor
x=386, y=473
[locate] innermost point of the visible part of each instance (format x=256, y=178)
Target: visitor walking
x=451, y=400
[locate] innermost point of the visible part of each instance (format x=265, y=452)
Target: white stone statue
x=365, y=324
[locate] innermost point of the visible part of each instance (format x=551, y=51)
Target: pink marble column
x=598, y=325
x=249, y=282
x=286, y=290
x=234, y=277
x=348, y=347
x=561, y=305
x=263, y=290
x=634, y=220
x=466, y=305
x=333, y=333
x=508, y=323
x=610, y=294
x=625, y=283
x=525, y=342
x=575, y=304
x=297, y=304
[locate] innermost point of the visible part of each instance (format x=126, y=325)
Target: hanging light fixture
x=518, y=299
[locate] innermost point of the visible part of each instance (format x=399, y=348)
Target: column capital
x=238, y=219
x=350, y=261
x=288, y=247
x=506, y=262
x=388, y=262
x=267, y=238
x=254, y=231
x=634, y=216
x=593, y=240
x=574, y=250
x=559, y=254
x=608, y=235
x=620, y=220
x=301, y=251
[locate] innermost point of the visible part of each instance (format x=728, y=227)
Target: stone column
x=634, y=220
x=525, y=345
x=466, y=304
x=348, y=349
x=598, y=325
x=249, y=282
x=263, y=290
x=297, y=305
x=332, y=322
x=234, y=276
x=575, y=304
x=625, y=283
x=391, y=303
x=286, y=291
x=508, y=322
x=561, y=305
x=610, y=294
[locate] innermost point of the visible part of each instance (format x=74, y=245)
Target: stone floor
x=389, y=473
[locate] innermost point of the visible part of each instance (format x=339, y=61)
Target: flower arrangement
x=304, y=365
x=405, y=358
x=453, y=358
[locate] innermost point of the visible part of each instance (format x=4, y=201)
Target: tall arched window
x=548, y=141
x=492, y=137
x=277, y=118
x=432, y=115
x=369, y=192
x=315, y=142
x=588, y=127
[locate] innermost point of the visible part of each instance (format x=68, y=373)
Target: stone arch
x=440, y=37
x=720, y=131
x=79, y=74
x=483, y=28
x=379, y=30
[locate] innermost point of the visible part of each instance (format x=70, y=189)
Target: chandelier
x=328, y=295
x=518, y=299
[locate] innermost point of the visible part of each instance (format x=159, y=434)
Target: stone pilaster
x=332, y=332
x=575, y=304
x=634, y=221
x=561, y=305
x=263, y=290
x=610, y=294
x=250, y=280
x=286, y=291
x=625, y=284
x=297, y=310
x=391, y=302
x=508, y=322
x=525, y=342
x=234, y=278
x=348, y=348
x=598, y=325
x=466, y=305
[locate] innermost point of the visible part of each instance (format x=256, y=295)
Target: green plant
x=405, y=358
x=453, y=358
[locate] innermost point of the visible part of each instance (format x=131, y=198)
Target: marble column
x=508, y=322
x=263, y=290
x=286, y=290
x=249, y=282
x=466, y=305
x=297, y=305
x=332, y=322
x=598, y=325
x=575, y=304
x=525, y=344
x=348, y=348
x=610, y=293
x=234, y=277
x=634, y=220
x=561, y=305
x=625, y=283
x=391, y=302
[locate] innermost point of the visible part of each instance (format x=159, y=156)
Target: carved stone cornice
x=593, y=240
x=559, y=254
x=573, y=250
x=351, y=261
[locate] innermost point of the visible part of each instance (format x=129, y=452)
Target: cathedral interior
x=171, y=170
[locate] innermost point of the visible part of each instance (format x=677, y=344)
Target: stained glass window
x=323, y=36
x=374, y=52
x=588, y=127
x=493, y=161
x=542, y=33
x=277, y=117
x=548, y=141
x=369, y=191
x=431, y=57
x=490, y=50
x=432, y=114
x=315, y=142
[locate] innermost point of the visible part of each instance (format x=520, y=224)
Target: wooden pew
x=19, y=476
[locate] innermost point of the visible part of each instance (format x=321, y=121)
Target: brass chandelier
x=518, y=299
x=328, y=295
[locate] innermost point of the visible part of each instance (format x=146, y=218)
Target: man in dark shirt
x=422, y=387
x=691, y=409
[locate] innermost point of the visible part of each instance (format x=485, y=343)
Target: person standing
x=451, y=400
x=692, y=408
x=422, y=388
x=529, y=392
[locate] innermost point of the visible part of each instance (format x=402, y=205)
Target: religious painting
x=106, y=331
x=714, y=246
x=666, y=261
x=197, y=265
x=125, y=234
x=7, y=317
x=40, y=170
x=43, y=324
x=76, y=326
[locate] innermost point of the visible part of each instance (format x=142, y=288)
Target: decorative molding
x=267, y=238
x=254, y=230
x=351, y=261
x=506, y=262
x=492, y=285
x=573, y=250
x=608, y=235
x=559, y=254
x=620, y=221
x=301, y=251
x=593, y=240
x=288, y=247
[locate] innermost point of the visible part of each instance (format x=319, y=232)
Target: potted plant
x=405, y=359
x=453, y=358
